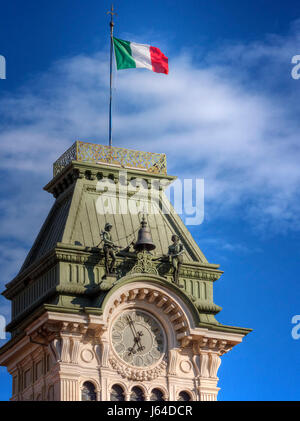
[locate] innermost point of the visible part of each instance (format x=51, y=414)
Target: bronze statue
x=175, y=253
x=109, y=249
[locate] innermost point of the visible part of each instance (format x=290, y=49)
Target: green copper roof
x=74, y=219
x=51, y=232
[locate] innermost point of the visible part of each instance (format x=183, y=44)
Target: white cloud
x=231, y=119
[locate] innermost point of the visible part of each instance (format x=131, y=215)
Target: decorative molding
x=214, y=364
x=154, y=163
x=75, y=349
x=98, y=353
x=105, y=353
x=204, y=396
x=204, y=275
x=173, y=357
x=87, y=355
x=55, y=349
x=218, y=346
x=203, y=367
x=157, y=298
x=185, y=366
x=65, y=349
x=81, y=255
x=144, y=264
x=207, y=352
x=207, y=307
x=133, y=373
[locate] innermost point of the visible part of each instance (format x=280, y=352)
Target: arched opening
x=88, y=392
x=137, y=394
x=184, y=396
x=156, y=395
x=117, y=393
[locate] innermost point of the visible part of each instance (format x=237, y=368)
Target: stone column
x=69, y=389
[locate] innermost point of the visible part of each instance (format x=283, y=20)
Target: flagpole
x=111, y=24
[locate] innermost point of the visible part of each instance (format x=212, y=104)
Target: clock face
x=138, y=338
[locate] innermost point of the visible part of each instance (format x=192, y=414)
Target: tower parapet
x=154, y=163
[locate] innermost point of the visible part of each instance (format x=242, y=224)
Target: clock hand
x=130, y=322
x=132, y=350
x=141, y=347
x=137, y=335
x=136, y=342
x=132, y=325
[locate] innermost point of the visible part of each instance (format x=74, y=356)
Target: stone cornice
x=90, y=171
x=46, y=325
x=30, y=273
x=212, y=330
x=225, y=328
x=81, y=255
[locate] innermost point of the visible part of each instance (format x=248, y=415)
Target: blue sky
x=228, y=112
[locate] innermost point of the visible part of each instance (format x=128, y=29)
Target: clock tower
x=115, y=300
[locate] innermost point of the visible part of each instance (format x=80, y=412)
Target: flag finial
x=111, y=12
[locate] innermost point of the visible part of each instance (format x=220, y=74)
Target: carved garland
x=132, y=373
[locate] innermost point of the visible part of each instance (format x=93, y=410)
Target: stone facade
x=61, y=352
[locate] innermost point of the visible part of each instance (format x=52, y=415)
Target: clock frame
x=138, y=339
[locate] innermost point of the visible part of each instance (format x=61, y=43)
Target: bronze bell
x=144, y=241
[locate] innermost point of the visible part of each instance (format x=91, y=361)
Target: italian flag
x=131, y=55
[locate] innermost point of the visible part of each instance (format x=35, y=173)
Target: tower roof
x=74, y=218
